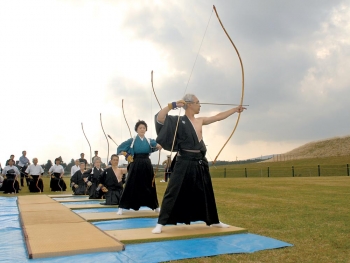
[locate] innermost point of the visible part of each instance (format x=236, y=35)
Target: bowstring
x=188, y=81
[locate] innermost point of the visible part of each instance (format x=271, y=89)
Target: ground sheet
x=13, y=248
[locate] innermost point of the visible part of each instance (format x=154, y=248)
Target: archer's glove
x=104, y=189
x=89, y=183
x=128, y=157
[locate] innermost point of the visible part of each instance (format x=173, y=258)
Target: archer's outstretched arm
x=222, y=115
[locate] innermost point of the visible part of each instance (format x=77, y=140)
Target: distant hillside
x=338, y=146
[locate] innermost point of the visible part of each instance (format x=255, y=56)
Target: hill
x=337, y=146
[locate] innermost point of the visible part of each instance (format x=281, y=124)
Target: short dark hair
x=139, y=123
x=57, y=159
x=114, y=155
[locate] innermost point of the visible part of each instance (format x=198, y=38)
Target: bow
x=125, y=118
x=82, y=127
x=36, y=184
x=105, y=136
x=242, y=94
x=154, y=90
x=154, y=176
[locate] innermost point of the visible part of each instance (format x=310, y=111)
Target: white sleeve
x=28, y=170
x=41, y=170
x=51, y=168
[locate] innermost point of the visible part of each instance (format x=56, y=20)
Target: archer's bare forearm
x=222, y=115
x=162, y=114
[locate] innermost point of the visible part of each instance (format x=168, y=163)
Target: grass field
x=312, y=213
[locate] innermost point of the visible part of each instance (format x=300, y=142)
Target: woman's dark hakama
x=57, y=183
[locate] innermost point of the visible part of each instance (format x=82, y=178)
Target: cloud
x=65, y=62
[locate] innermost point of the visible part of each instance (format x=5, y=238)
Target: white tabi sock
x=157, y=229
x=120, y=211
x=157, y=210
x=220, y=224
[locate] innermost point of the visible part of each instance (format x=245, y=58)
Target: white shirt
x=34, y=169
x=74, y=169
x=9, y=168
x=56, y=169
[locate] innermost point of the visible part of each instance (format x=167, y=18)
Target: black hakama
x=138, y=190
x=36, y=184
x=57, y=183
x=78, y=179
x=93, y=176
x=10, y=184
x=115, y=188
x=189, y=195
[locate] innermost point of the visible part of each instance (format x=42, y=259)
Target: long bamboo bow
x=154, y=177
x=82, y=127
x=242, y=94
x=125, y=118
x=106, y=137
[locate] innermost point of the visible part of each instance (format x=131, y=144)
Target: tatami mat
x=40, y=217
x=47, y=226
x=63, y=239
x=60, y=195
x=113, y=215
x=84, y=206
x=35, y=199
x=41, y=207
x=172, y=232
x=69, y=199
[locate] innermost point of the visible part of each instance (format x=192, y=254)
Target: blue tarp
x=13, y=247
x=102, y=210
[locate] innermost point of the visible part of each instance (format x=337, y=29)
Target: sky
x=64, y=62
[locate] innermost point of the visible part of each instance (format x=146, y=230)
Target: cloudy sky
x=62, y=63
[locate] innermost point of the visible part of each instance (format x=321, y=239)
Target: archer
x=189, y=196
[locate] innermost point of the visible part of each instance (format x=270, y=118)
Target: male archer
x=189, y=196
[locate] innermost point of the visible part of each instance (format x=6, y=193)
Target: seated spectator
x=56, y=172
x=35, y=171
x=93, y=179
x=111, y=182
x=78, y=183
x=10, y=184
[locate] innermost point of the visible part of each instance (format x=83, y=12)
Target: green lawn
x=312, y=213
